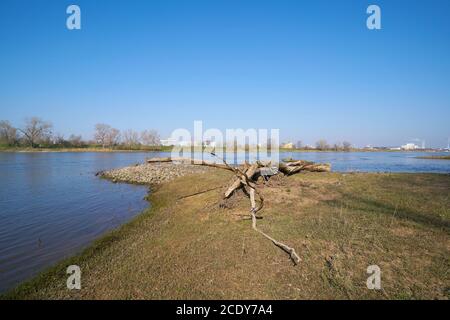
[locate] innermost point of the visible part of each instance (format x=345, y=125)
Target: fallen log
x=156, y=160
x=239, y=181
x=321, y=167
x=287, y=168
x=195, y=162
x=235, y=185
x=298, y=166
x=296, y=163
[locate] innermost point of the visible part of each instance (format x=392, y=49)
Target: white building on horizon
x=410, y=146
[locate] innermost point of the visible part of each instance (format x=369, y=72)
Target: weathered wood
x=252, y=171
x=252, y=199
x=247, y=181
x=289, y=168
x=240, y=181
x=298, y=163
x=209, y=164
x=298, y=166
x=237, y=182
x=156, y=160
x=198, y=193
x=320, y=167
x=246, y=175
x=195, y=162
x=236, y=185
x=291, y=251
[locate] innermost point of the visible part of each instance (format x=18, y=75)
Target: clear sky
x=310, y=68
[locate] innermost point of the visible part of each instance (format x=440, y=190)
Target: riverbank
x=195, y=248
x=99, y=149
x=193, y=149
x=435, y=157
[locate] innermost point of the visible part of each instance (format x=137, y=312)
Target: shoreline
x=435, y=157
x=75, y=150
x=196, y=149
x=108, y=248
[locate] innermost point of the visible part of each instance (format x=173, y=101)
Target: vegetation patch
x=191, y=247
x=435, y=157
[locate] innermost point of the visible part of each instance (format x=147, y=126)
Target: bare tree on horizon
x=150, y=138
x=347, y=145
x=36, y=130
x=76, y=140
x=101, y=133
x=322, y=144
x=130, y=138
x=106, y=135
x=8, y=133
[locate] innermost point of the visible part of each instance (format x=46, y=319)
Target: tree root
x=200, y=192
x=291, y=251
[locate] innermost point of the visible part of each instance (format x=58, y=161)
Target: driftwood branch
x=254, y=209
x=289, y=168
x=248, y=172
x=188, y=161
x=291, y=251
x=301, y=165
x=246, y=177
x=198, y=193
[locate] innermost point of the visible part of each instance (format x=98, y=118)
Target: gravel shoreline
x=152, y=173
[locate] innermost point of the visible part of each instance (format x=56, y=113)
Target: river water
x=52, y=205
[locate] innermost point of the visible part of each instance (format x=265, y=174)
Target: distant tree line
x=323, y=145
x=37, y=133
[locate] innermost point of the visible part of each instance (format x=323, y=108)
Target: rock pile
x=152, y=173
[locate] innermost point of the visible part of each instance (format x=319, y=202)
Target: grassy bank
x=436, y=157
x=339, y=224
x=87, y=149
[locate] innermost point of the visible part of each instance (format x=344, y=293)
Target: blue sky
x=310, y=68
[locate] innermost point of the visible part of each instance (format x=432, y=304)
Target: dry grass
x=195, y=248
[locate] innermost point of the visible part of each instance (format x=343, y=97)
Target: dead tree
x=246, y=177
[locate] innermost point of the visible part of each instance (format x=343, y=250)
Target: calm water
x=377, y=161
x=366, y=161
x=52, y=205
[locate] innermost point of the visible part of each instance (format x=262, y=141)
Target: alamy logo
x=260, y=144
x=374, y=20
x=73, y=21
x=74, y=280
x=374, y=280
